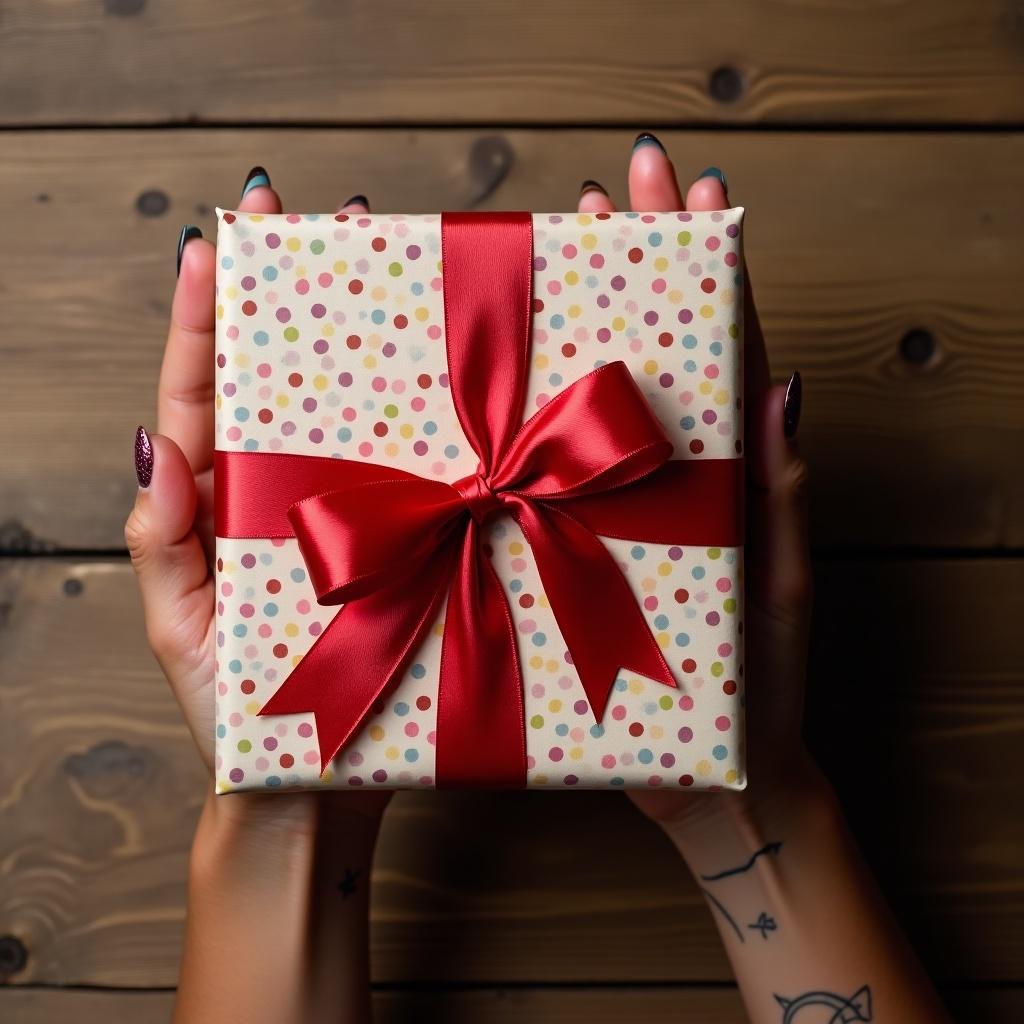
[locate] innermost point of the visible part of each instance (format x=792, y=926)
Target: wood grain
x=490, y=1006
x=99, y=787
x=853, y=240
x=128, y=61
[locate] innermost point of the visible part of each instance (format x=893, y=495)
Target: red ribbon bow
x=390, y=545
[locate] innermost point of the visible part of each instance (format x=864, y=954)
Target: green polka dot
x=717, y=668
x=537, y=721
x=244, y=746
x=665, y=703
x=291, y=334
x=391, y=411
x=734, y=331
x=684, y=238
x=729, y=605
x=714, y=553
x=395, y=269
x=317, y=246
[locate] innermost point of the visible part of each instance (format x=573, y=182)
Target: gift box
x=479, y=487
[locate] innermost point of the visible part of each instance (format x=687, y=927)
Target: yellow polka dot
x=391, y=753
x=540, y=362
x=370, y=362
x=572, y=277
x=253, y=707
x=551, y=665
x=391, y=449
x=650, y=366
x=291, y=629
x=229, y=567
x=543, y=601
x=554, y=706
x=439, y=629
x=635, y=686
x=406, y=430
x=422, y=313
x=327, y=777
x=588, y=241
x=576, y=753
x=661, y=264
x=618, y=324
x=664, y=568
x=574, y=312
x=255, y=217
x=675, y=296
x=707, y=311
x=340, y=267
x=220, y=312
x=536, y=662
x=320, y=382
x=296, y=659
x=515, y=548
x=327, y=330
x=218, y=402
x=721, y=397
x=376, y=733
x=300, y=271
x=584, y=219
x=540, y=779
x=705, y=387
x=655, y=732
x=648, y=584
x=662, y=639
x=293, y=244
x=231, y=292
x=378, y=293
x=374, y=341
x=704, y=767
x=282, y=401
x=731, y=776
x=726, y=296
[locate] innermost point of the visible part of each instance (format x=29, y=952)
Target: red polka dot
x=355, y=286
x=280, y=650
x=353, y=341
x=685, y=780
x=538, y=305
x=423, y=703
x=707, y=285
x=401, y=321
x=424, y=380
x=729, y=686
x=665, y=339
x=248, y=686
x=635, y=255
x=248, y=307
x=380, y=428
x=273, y=586
x=265, y=415
x=682, y=595
x=286, y=760
x=295, y=379
x=341, y=217
x=229, y=218
x=689, y=665
x=568, y=350
x=379, y=244
x=696, y=446
x=526, y=601
x=636, y=729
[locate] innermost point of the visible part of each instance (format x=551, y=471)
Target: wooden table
x=878, y=148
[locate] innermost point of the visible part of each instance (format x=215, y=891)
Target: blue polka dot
x=720, y=752
x=227, y=262
x=687, y=423
x=418, y=671
x=241, y=414
x=344, y=434
x=261, y=338
x=416, y=288
x=273, y=781
x=430, y=428
x=222, y=731
x=650, y=708
x=234, y=666
x=562, y=729
x=654, y=238
x=621, y=685
x=690, y=366
x=689, y=341
x=661, y=622
x=240, y=629
x=557, y=321
x=412, y=755
x=298, y=575
x=515, y=586
x=698, y=572
x=539, y=639
x=682, y=639
x=270, y=609
x=451, y=451
x=716, y=348
x=555, y=380
x=617, y=780
x=597, y=731
x=645, y=756
x=637, y=552
x=270, y=273
x=251, y=445
x=591, y=281
x=378, y=316
x=401, y=708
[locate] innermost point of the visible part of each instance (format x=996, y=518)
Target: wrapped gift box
x=331, y=343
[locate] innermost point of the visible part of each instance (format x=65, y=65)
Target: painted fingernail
x=715, y=172
x=189, y=231
x=143, y=457
x=791, y=405
x=593, y=186
x=361, y=200
x=647, y=139
x=256, y=178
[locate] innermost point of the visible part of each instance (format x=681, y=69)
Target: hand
x=778, y=574
x=169, y=532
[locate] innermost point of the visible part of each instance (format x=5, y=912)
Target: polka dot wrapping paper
x=331, y=342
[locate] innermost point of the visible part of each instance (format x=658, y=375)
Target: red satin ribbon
x=389, y=545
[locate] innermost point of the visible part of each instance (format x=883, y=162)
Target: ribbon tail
x=481, y=739
x=597, y=613
x=362, y=654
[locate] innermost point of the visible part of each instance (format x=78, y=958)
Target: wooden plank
x=127, y=61
x=489, y=1006
x=99, y=787
x=847, y=250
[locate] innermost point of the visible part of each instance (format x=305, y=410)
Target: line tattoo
x=767, y=848
x=347, y=886
x=764, y=924
x=844, y=1011
x=717, y=904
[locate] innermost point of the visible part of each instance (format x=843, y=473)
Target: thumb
x=168, y=558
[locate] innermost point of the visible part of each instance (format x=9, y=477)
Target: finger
x=594, y=198
x=356, y=204
x=652, y=178
x=177, y=590
x=779, y=551
x=185, y=395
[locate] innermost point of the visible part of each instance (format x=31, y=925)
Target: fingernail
x=714, y=172
x=593, y=186
x=188, y=232
x=647, y=139
x=361, y=200
x=143, y=457
x=791, y=405
x=256, y=178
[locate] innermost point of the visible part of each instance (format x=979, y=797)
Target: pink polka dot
x=722, y=723
x=724, y=585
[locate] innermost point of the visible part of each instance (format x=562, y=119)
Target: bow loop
x=482, y=502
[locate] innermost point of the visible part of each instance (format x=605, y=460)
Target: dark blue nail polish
x=647, y=139
x=791, y=405
x=188, y=232
x=256, y=178
x=361, y=200
x=715, y=172
x=593, y=186
x=143, y=457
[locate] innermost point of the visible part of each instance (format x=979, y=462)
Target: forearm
x=277, y=915
x=802, y=920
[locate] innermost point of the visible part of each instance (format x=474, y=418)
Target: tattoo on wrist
x=766, y=849
x=347, y=886
x=765, y=923
x=844, y=1011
